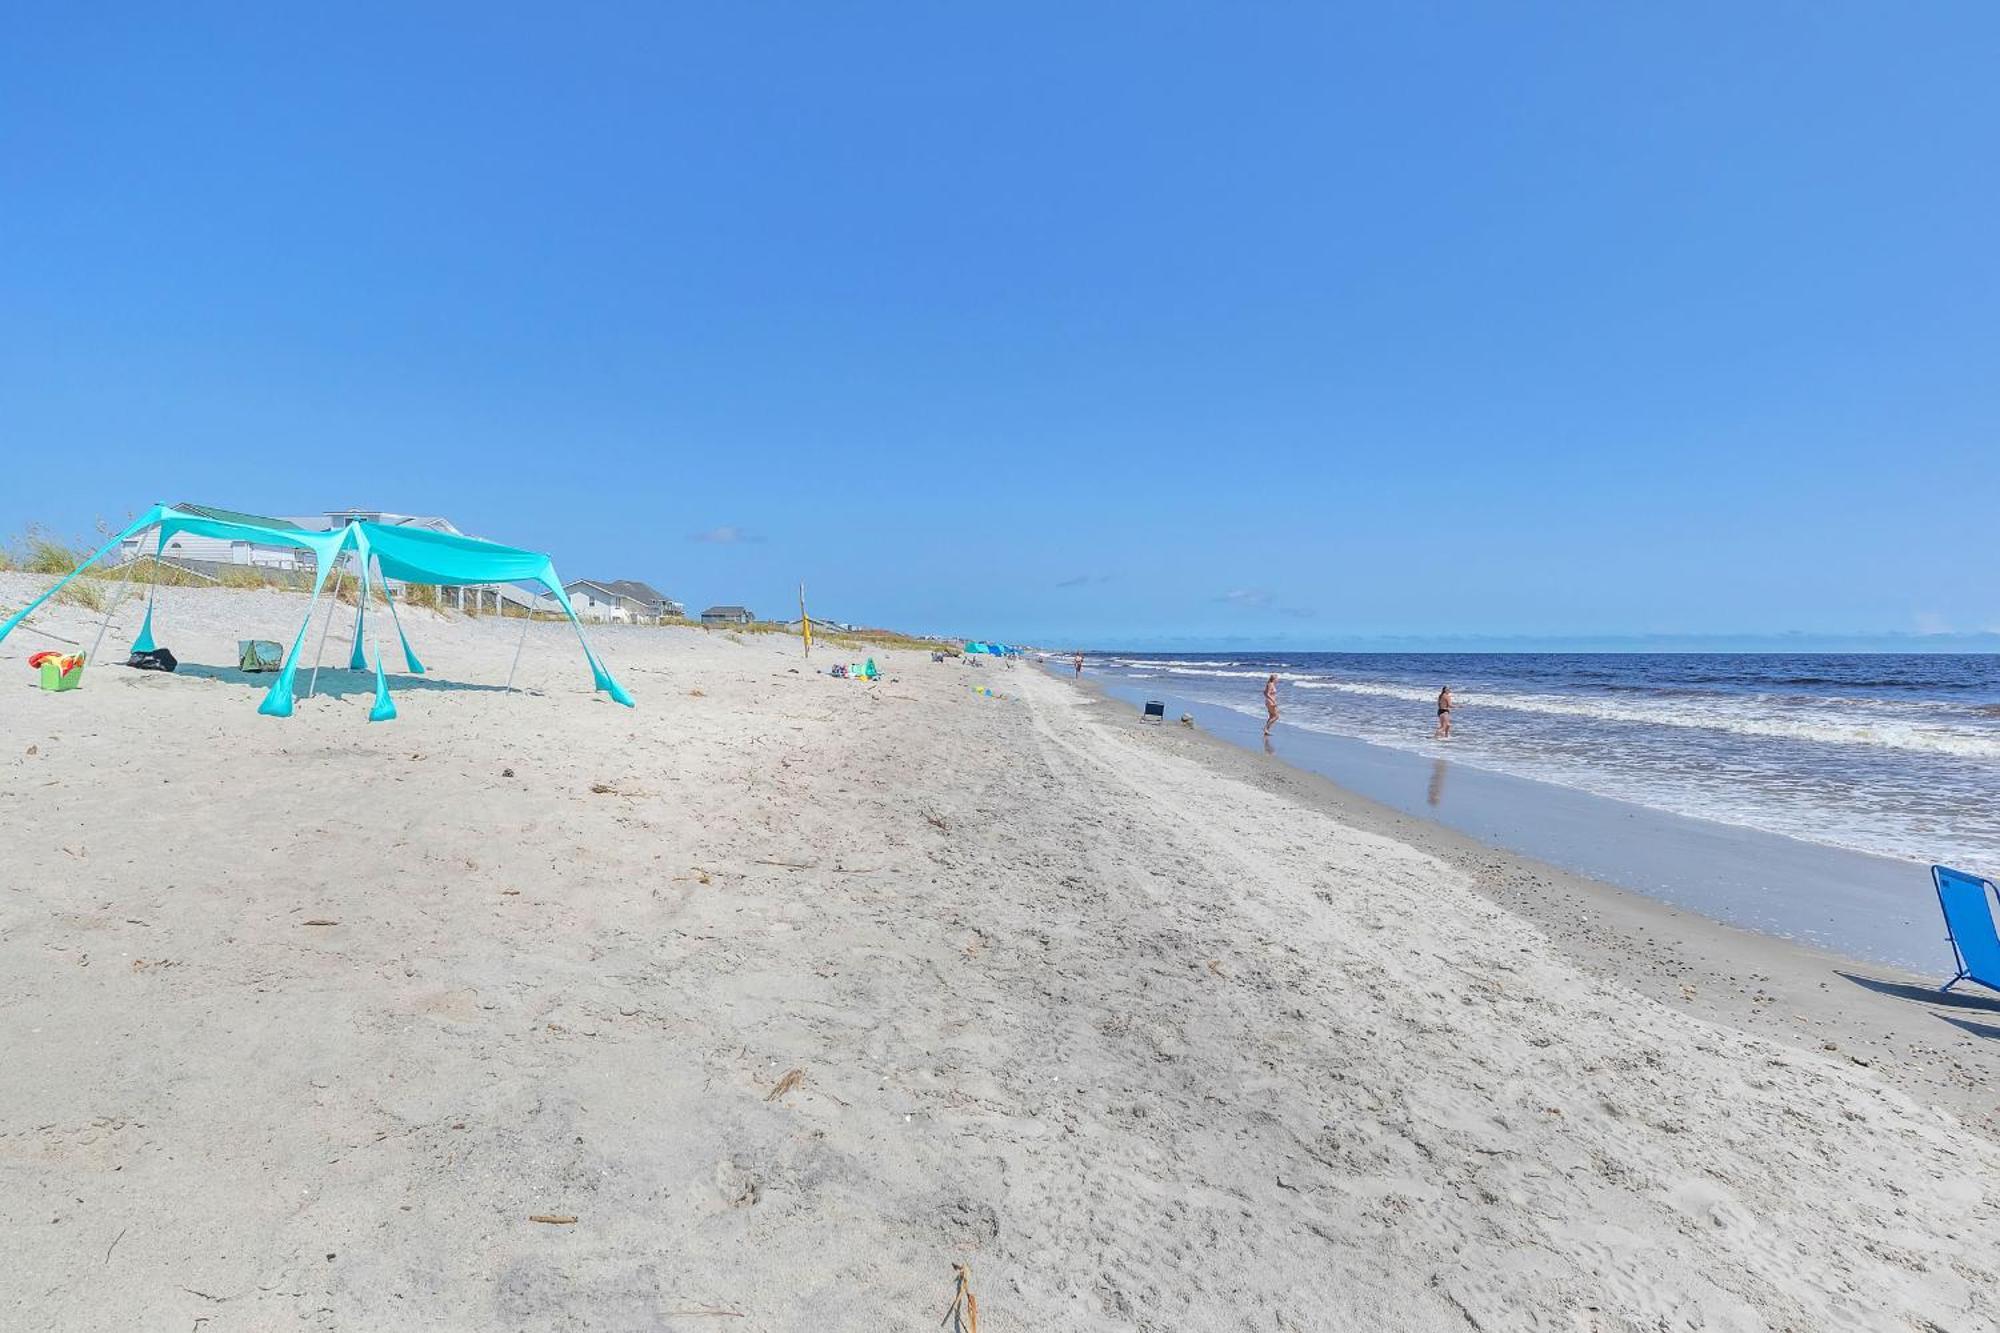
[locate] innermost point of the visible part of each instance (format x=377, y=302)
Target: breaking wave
x=1816, y=722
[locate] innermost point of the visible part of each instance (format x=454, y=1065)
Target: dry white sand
x=1144, y=1042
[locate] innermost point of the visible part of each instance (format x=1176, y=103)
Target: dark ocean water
x=1897, y=755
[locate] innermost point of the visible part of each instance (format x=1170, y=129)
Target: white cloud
x=726, y=535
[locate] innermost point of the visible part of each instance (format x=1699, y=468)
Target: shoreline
x=1857, y=904
x=1877, y=1014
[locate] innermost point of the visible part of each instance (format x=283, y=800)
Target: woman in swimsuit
x=1270, y=702
x=1443, y=731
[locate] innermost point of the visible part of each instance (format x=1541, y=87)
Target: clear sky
x=1110, y=323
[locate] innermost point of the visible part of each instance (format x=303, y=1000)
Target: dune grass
x=159, y=573
x=86, y=593
x=40, y=551
x=850, y=641
x=888, y=638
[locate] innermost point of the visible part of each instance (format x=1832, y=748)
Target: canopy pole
x=278, y=699
x=125, y=587
x=527, y=619
x=313, y=682
x=601, y=678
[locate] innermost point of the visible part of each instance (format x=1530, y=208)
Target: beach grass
x=861, y=640
x=40, y=551
x=349, y=593
x=159, y=573
x=883, y=638
x=84, y=593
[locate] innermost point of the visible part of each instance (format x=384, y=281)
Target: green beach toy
x=61, y=673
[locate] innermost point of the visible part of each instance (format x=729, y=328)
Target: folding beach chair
x=1968, y=921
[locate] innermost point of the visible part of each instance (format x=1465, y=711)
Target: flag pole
x=805, y=621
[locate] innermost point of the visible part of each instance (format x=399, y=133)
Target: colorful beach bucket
x=55, y=677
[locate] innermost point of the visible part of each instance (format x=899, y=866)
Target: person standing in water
x=1270, y=702
x=1443, y=731
x=1079, y=665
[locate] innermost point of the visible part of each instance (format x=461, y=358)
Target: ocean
x=1893, y=755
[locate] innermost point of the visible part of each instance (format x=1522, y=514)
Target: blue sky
x=1115, y=323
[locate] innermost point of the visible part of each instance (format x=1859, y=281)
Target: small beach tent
x=414, y=555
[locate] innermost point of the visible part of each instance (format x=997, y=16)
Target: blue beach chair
x=1968, y=920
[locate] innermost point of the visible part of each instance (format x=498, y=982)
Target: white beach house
x=627, y=600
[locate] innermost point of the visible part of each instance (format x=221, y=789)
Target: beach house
x=627, y=600
x=656, y=604
x=206, y=555
x=727, y=615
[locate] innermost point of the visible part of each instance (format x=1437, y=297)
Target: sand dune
x=1144, y=1043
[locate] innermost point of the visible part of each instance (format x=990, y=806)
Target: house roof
x=630, y=589
x=236, y=516
x=727, y=611
x=325, y=520
x=645, y=592
x=622, y=590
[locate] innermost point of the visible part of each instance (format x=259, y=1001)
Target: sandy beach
x=776, y=997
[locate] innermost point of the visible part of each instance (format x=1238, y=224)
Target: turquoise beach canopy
x=412, y=555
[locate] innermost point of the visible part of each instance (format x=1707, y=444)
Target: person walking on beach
x=1079, y=665
x=1443, y=731
x=1270, y=702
